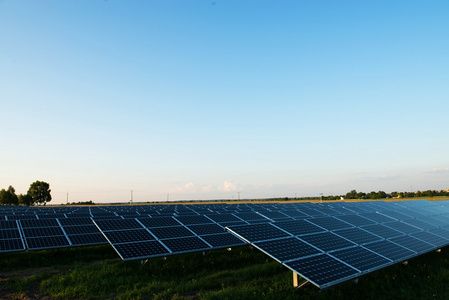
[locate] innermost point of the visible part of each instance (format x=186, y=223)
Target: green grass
x=243, y=273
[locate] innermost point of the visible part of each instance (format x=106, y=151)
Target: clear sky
x=209, y=99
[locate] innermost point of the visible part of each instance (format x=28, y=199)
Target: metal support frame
x=143, y=262
x=298, y=281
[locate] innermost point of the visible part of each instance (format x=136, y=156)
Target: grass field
x=243, y=273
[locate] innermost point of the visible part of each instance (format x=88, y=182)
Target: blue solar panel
x=382, y=231
x=158, y=222
x=206, y=229
x=86, y=229
x=47, y=242
x=10, y=245
x=322, y=270
x=298, y=227
x=258, y=232
x=193, y=220
x=122, y=224
x=390, y=250
x=376, y=217
x=431, y=238
x=357, y=235
x=403, y=227
x=356, y=220
x=347, y=237
x=186, y=244
x=287, y=248
x=327, y=241
x=126, y=236
x=141, y=250
x=223, y=240
x=171, y=232
x=413, y=244
x=87, y=239
x=360, y=258
x=330, y=223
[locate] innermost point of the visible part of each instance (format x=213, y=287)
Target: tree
x=351, y=195
x=39, y=192
x=8, y=197
x=25, y=200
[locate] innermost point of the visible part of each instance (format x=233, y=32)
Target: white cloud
x=186, y=188
x=438, y=170
x=228, y=186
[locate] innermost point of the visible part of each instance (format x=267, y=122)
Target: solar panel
x=382, y=231
x=440, y=232
x=224, y=218
x=431, y=238
x=171, y=232
x=327, y=241
x=251, y=216
x=413, y=244
x=141, y=250
x=87, y=239
x=122, y=224
x=186, y=244
x=390, y=250
x=355, y=220
x=192, y=220
x=206, y=229
x=126, y=236
x=298, y=227
x=7, y=234
x=80, y=229
x=42, y=231
x=46, y=242
x=11, y=245
x=395, y=214
x=376, y=217
x=330, y=223
x=287, y=248
x=43, y=234
x=223, y=240
x=360, y=258
x=402, y=227
x=258, y=232
x=295, y=214
x=10, y=237
x=158, y=222
x=357, y=235
x=351, y=239
x=75, y=221
x=419, y=224
x=322, y=270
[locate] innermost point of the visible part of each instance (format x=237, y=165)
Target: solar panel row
x=329, y=250
x=326, y=243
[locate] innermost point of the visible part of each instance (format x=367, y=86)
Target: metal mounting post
x=298, y=281
x=143, y=262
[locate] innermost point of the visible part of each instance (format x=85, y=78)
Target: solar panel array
x=326, y=243
x=349, y=240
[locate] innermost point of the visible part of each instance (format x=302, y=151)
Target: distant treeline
x=38, y=194
x=90, y=202
x=370, y=196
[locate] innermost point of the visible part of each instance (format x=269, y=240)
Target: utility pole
x=131, y=202
x=67, y=198
x=239, y=195
x=321, y=197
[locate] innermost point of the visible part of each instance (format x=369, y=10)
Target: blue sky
x=209, y=99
